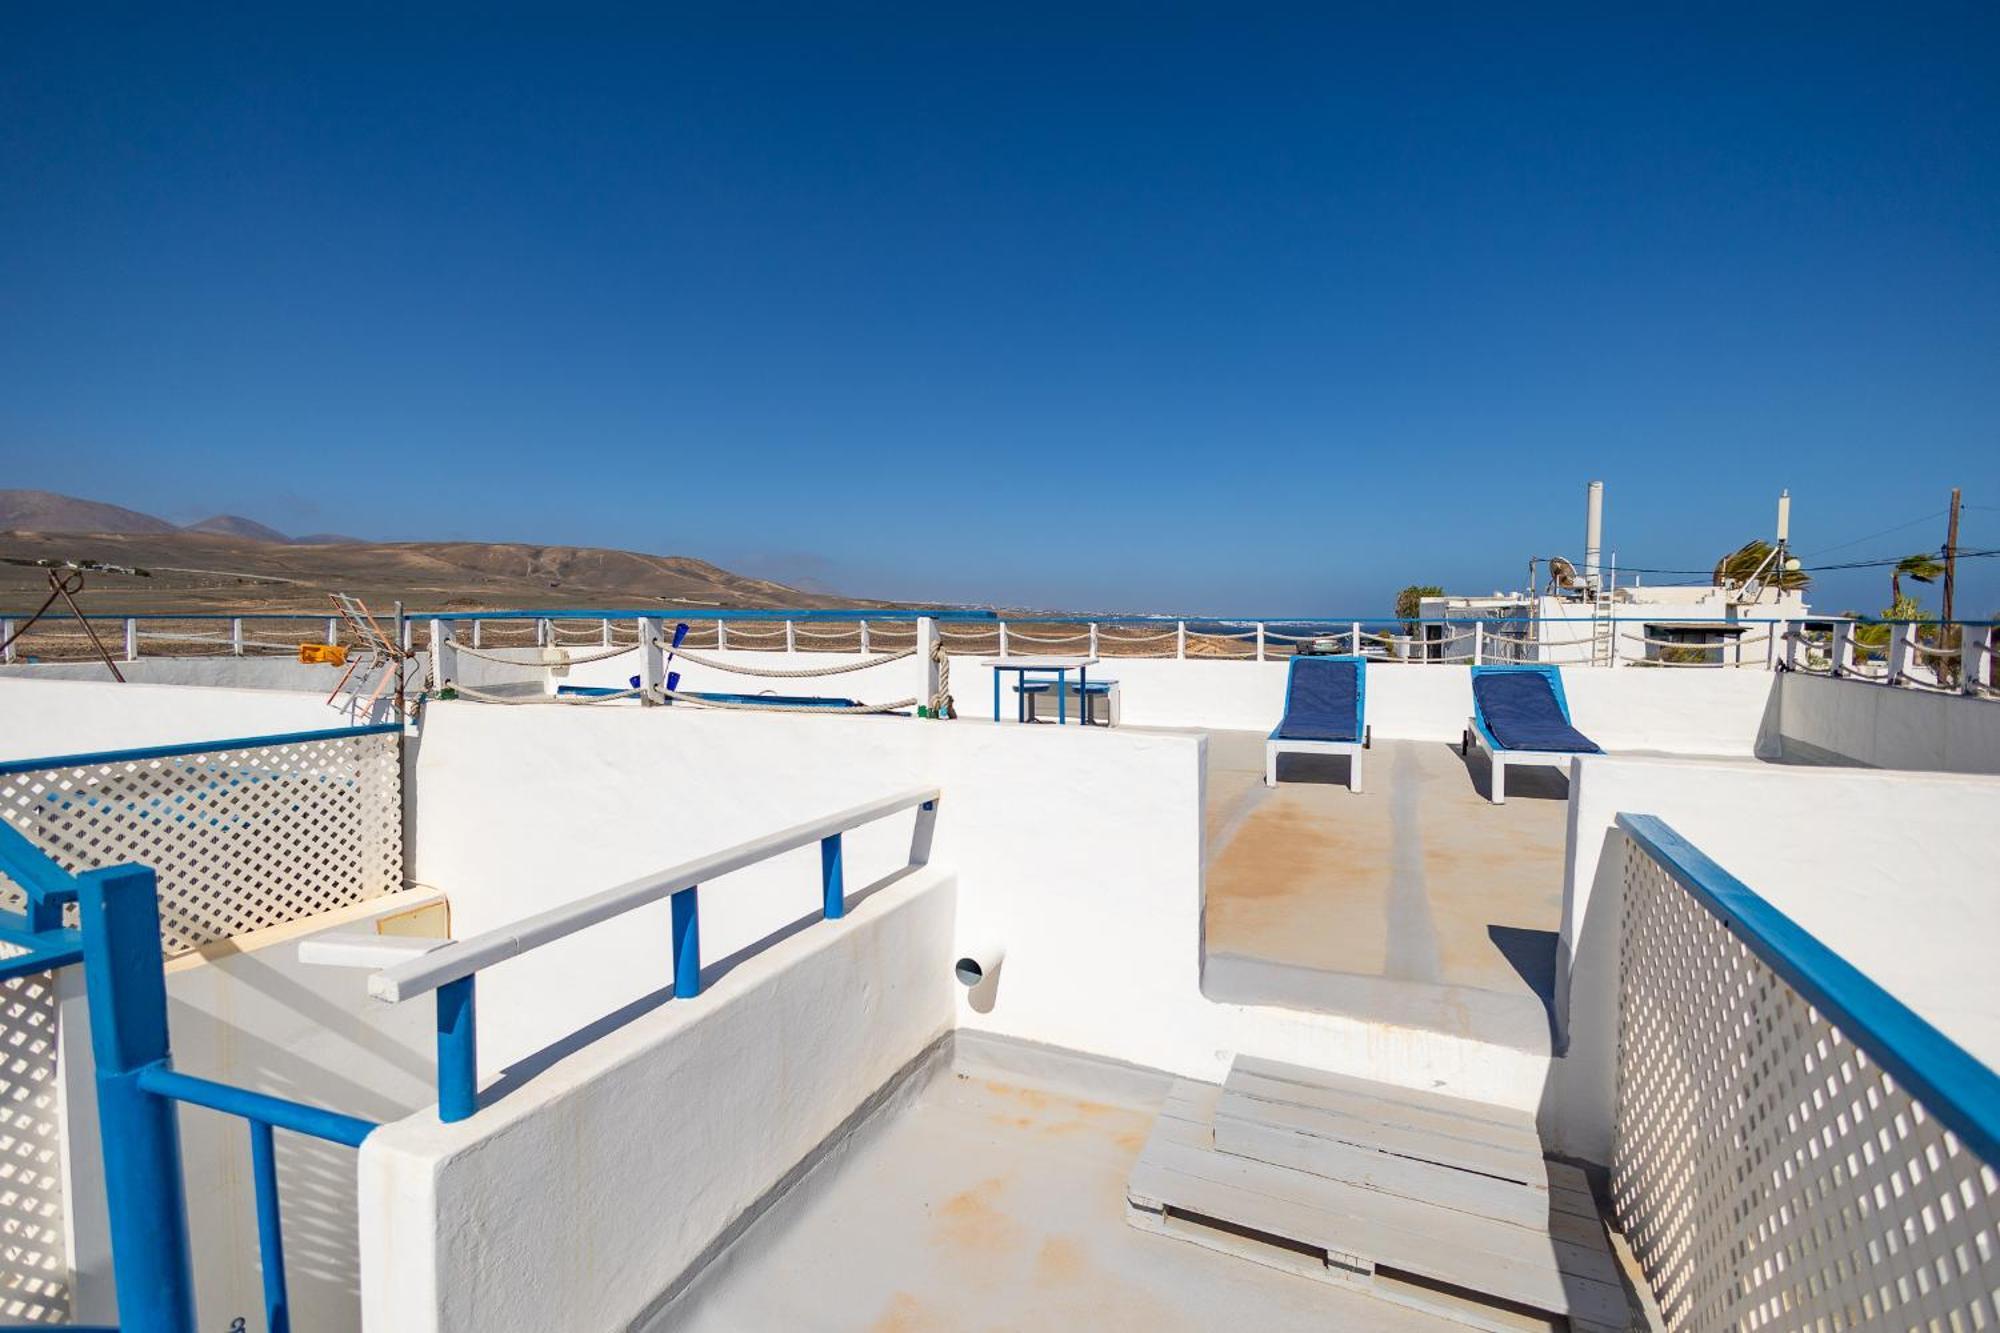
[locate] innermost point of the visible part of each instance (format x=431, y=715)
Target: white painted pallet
x=1457, y=1154
x=1498, y=1274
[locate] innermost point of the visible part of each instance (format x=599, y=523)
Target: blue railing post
x=458, y=1051
x=127, y=988
x=833, y=883
x=270, y=1231
x=687, y=944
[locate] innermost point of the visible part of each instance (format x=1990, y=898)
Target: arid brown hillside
x=191, y=571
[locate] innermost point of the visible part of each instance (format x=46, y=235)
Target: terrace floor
x=990, y=1201
x=1416, y=902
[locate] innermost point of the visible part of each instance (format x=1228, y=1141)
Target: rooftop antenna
x=1778, y=563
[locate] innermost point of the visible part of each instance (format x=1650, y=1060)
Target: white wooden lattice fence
x=1768, y=1171
x=243, y=836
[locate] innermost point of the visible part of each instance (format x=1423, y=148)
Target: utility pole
x=1950, y=556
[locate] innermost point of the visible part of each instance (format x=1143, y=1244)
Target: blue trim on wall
x=193, y=747
x=1953, y=1085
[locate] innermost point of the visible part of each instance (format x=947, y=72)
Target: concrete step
x=1476, y=1269
x=1448, y=1151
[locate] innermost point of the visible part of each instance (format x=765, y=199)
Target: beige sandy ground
x=1418, y=883
x=995, y=1205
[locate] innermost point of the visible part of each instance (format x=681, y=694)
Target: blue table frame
x=1060, y=673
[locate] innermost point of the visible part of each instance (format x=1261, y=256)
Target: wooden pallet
x=1344, y=1217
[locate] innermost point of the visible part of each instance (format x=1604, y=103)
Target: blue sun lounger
x=1325, y=713
x=1519, y=716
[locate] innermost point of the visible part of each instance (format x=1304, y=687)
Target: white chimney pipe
x=1593, y=537
x=1784, y=517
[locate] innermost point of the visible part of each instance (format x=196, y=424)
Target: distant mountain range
x=46, y=511
x=230, y=563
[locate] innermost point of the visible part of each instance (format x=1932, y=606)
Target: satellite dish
x=1562, y=573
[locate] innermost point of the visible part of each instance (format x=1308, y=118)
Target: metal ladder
x=1603, y=629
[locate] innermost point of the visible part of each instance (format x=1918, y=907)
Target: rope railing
x=801, y=673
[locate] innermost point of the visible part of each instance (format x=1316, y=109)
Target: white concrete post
x=927, y=673
x=1837, y=645
x=1260, y=641
x=1354, y=638
x=1776, y=631
x=605, y=640
x=1973, y=649
x=444, y=656
x=1093, y=638
x=1899, y=653
x=1792, y=647
x=652, y=662
x=333, y=629
x=236, y=635
x=476, y=626
x=131, y=639
x=721, y=634
x=1478, y=643
x=544, y=631
x=409, y=631
x=1180, y=640
x=1003, y=638
x=864, y=637
x=7, y=637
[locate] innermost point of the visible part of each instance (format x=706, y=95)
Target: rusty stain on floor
x=988, y=1205
x=1407, y=880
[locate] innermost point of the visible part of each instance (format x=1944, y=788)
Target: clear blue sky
x=1137, y=306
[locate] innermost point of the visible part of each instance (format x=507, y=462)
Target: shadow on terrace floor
x=1415, y=902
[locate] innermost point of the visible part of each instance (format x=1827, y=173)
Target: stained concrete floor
x=993, y=1201
x=1416, y=901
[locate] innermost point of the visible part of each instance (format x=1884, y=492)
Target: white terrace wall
x=242, y=673
x=1684, y=711
x=578, y=1199
x=44, y=718
x=262, y=1020
x=1822, y=720
x=1893, y=871
x=1078, y=849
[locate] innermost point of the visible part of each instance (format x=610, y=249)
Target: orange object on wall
x=333, y=654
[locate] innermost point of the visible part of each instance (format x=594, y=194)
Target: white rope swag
x=838, y=668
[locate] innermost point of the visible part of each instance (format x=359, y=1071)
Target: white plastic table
x=1059, y=667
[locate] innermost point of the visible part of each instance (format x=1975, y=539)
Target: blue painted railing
x=138, y=1089
x=1954, y=1085
x=450, y=971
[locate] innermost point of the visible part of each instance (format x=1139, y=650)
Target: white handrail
x=461, y=959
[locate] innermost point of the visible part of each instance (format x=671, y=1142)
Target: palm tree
x=1742, y=564
x=1410, y=601
x=1923, y=567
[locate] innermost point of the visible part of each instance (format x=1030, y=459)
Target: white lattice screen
x=34, y=1267
x=241, y=838
x=1769, y=1174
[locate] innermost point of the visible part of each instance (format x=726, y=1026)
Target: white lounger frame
x=1273, y=747
x=1503, y=757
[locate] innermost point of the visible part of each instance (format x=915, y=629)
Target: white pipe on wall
x=977, y=963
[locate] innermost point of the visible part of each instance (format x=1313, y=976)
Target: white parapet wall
x=1663, y=709
x=1892, y=870
x=42, y=718
x=1077, y=850
x=1823, y=720
x=579, y=1198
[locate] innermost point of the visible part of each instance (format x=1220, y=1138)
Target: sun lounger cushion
x=1321, y=703
x=1521, y=711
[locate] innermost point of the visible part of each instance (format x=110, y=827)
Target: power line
x=1841, y=546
